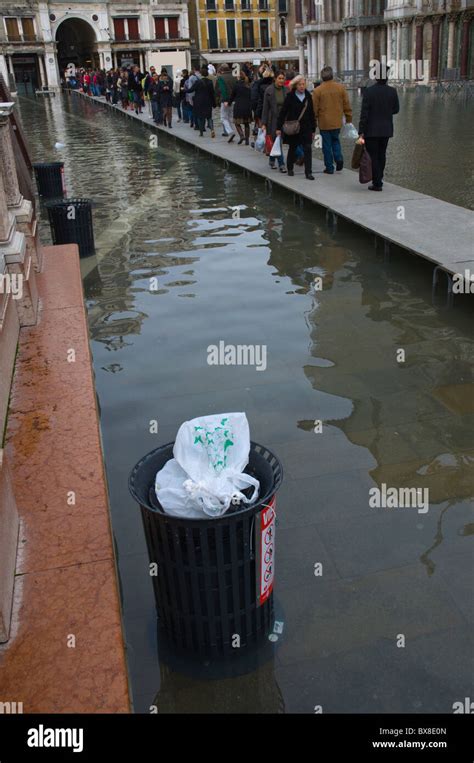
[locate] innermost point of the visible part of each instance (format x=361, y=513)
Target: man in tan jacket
x=331, y=102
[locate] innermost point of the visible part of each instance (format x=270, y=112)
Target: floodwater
x=387, y=626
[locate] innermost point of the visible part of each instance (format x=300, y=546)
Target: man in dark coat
x=298, y=104
x=135, y=85
x=204, y=101
x=379, y=104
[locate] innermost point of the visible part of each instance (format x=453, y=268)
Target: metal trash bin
x=71, y=223
x=50, y=179
x=214, y=578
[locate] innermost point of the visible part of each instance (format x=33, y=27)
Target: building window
x=133, y=33
x=160, y=31
x=231, y=38
x=283, y=6
x=126, y=29
x=264, y=34
x=263, y=5
x=28, y=27
x=119, y=29
x=229, y=5
x=212, y=34
x=211, y=5
x=173, y=31
x=283, y=37
x=13, y=30
x=248, y=40
x=246, y=5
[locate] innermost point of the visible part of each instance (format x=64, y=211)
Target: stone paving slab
x=440, y=232
x=66, y=578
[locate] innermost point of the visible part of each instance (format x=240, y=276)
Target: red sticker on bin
x=267, y=550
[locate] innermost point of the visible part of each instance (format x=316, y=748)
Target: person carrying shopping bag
x=331, y=103
x=297, y=122
x=273, y=101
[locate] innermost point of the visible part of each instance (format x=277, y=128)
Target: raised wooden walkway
x=440, y=232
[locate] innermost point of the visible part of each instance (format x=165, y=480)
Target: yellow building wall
x=238, y=15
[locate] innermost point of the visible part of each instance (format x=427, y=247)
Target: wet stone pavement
x=331, y=356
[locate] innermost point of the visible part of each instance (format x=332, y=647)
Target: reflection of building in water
x=411, y=415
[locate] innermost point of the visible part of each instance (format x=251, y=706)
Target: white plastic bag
x=260, y=142
x=206, y=473
x=349, y=131
x=276, y=149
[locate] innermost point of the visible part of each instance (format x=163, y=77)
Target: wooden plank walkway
x=440, y=232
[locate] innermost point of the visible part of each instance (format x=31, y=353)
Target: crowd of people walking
x=265, y=109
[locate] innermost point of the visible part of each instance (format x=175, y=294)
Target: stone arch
x=76, y=40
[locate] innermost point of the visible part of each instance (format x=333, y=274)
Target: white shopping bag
x=349, y=131
x=260, y=142
x=276, y=149
x=206, y=473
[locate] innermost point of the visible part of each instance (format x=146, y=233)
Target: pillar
x=371, y=43
x=398, y=45
x=321, y=51
x=301, y=58
x=309, y=54
x=389, y=41
x=466, y=26
x=405, y=40
x=314, y=56
x=383, y=41
x=451, y=32
x=334, y=61
x=360, y=49
x=419, y=41
x=434, y=65
x=350, y=52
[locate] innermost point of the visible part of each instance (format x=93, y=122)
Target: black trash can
x=50, y=179
x=71, y=223
x=214, y=581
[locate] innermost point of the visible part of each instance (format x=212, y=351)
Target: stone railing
x=20, y=259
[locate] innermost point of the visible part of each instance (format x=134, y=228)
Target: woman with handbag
x=241, y=98
x=297, y=122
x=273, y=101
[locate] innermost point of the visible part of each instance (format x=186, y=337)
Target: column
x=398, y=28
x=466, y=25
x=314, y=56
x=371, y=43
x=350, y=54
x=334, y=61
x=7, y=220
x=309, y=53
x=360, y=49
x=389, y=41
x=405, y=41
x=435, y=47
x=419, y=47
x=451, y=30
x=321, y=51
x=301, y=57
x=383, y=41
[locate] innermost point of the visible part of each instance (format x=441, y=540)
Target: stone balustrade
x=20, y=260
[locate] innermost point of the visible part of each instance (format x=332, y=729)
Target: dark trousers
x=308, y=158
x=377, y=149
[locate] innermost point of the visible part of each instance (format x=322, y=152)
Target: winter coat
x=224, y=86
x=271, y=109
x=331, y=102
x=204, y=98
x=291, y=110
x=165, y=92
x=262, y=86
x=379, y=104
x=241, y=99
x=189, y=87
x=135, y=82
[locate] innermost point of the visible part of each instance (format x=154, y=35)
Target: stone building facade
x=348, y=34
x=39, y=39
